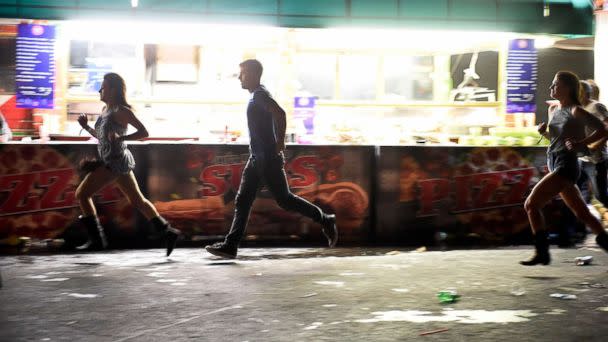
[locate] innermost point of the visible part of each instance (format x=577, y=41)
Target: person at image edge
x=568, y=124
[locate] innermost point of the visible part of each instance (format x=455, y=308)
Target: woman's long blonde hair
x=570, y=80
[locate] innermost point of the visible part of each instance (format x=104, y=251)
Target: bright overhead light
x=422, y=40
x=246, y=36
x=134, y=3
x=543, y=42
x=168, y=33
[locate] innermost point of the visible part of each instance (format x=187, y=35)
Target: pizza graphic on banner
x=215, y=174
x=37, y=194
x=482, y=188
x=509, y=217
x=37, y=189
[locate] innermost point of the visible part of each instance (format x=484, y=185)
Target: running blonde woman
x=115, y=164
x=567, y=126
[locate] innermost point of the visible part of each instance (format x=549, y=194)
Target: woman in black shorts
x=116, y=165
x=567, y=139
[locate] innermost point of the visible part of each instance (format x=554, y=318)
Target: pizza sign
x=474, y=192
x=43, y=191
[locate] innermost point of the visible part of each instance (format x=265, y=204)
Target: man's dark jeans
x=596, y=174
x=270, y=172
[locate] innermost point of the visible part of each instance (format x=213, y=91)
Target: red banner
x=199, y=197
x=460, y=191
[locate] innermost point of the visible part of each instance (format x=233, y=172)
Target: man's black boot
x=222, y=249
x=330, y=230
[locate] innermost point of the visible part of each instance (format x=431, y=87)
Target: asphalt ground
x=304, y=294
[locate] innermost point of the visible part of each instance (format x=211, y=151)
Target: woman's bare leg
x=574, y=200
x=548, y=187
x=542, y=193
x=128, y=185
x=92, y=182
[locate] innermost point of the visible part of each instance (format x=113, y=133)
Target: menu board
x=35, y=64
x=522, y=74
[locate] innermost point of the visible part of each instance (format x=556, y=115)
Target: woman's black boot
x=541, y=243
x=602, y=240
x=170, y=234
x=96, y=236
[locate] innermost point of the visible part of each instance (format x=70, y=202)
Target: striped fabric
x=114, y=154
